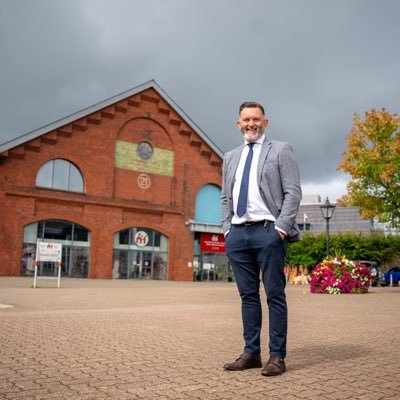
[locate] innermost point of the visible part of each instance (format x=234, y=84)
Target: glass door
x=140, y=263
x=147, y=265
x=66, y=264
x=133, y=267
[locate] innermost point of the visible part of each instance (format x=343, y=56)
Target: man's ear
x=265, y=122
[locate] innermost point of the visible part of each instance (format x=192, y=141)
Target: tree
x=372, y=159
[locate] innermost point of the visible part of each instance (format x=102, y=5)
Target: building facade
x=344, y=219
x=123, y=185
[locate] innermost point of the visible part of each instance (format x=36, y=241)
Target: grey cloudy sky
x=312, y=63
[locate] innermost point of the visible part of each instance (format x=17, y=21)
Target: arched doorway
x=140, y=253
x=75, y=240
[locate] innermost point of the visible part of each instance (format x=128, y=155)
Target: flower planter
x=340, y=276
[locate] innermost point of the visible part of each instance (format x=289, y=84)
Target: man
x=260, y=198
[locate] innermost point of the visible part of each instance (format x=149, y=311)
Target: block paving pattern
x=104, y=339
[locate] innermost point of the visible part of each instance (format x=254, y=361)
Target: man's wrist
x=281, y=232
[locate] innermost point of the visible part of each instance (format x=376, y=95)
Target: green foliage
x=312, y=249
x=307, y=252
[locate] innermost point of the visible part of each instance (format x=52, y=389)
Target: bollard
x=391, y=280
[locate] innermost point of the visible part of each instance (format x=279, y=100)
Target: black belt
x=264, y=222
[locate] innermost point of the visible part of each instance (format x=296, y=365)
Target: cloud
x=333, y=189
x=312, y=63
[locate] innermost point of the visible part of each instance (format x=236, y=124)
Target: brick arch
x=202, y=184
x=141, y=129
x=164, y=232
x=130, y=169
x=33, y=220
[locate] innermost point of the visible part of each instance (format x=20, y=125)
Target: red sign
x=212, y=242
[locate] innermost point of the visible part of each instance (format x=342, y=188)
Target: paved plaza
x=104, y=339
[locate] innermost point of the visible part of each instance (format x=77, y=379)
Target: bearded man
x=260, y=198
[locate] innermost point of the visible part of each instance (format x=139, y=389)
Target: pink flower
x=340, y=275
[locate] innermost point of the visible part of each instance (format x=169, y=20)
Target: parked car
x=395, y=273
x=375, y=270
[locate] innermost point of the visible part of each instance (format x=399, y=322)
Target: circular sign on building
x=141, y=238
x=144, y=181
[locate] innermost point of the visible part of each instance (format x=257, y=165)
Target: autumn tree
x=372, y=158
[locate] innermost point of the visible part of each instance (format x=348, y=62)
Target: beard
x=253, y=137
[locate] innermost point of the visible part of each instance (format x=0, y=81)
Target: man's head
x=252, y=121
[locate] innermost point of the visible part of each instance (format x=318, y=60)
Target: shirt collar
x=260, y=140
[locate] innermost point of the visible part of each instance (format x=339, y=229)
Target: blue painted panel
x=208, y=205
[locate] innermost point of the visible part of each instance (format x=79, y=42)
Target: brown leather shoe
x=275, y=366
x=245, y=361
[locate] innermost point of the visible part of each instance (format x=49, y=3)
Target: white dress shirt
x=256, y=208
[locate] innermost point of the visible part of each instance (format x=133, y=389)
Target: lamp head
x=327, y=209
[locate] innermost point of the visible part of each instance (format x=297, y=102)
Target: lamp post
x=327, y=210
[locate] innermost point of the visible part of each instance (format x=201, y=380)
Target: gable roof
x=103, y=104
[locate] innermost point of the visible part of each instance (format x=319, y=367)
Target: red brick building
x=116, y=184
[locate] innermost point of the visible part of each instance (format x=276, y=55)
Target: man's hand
x=281, y=234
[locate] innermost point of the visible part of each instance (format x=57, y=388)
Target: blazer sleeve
x=226, y=209
x=291, y=188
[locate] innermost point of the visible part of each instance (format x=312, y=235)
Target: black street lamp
x=327, y=210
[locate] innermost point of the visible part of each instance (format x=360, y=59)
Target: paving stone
x=95, y=340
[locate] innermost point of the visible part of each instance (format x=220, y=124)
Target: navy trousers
x=253, y=249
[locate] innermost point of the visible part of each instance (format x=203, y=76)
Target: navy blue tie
x=244, y=185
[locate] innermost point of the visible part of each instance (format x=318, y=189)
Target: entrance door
x=75, y=262
x=141, y=265
x=215, y=267
x=147, y=265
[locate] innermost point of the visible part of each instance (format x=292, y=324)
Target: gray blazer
x=278, y=181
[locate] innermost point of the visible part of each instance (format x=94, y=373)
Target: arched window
x=140, y=253
x=75, y=240
x=60, y=174
x=208, y=205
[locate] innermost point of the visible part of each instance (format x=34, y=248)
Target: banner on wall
x=212, y=242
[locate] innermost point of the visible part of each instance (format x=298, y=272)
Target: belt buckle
x=248, y=223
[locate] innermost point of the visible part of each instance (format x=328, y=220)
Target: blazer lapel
x=235, y=161
x=266, y=147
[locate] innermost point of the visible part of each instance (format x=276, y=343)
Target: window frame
x=71, y=170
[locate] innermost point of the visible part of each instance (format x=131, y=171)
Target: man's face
x=252, y=123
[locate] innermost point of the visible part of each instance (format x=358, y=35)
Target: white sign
x=49, y=252
x=141, y=238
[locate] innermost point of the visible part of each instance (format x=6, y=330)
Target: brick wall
x=112, y=199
